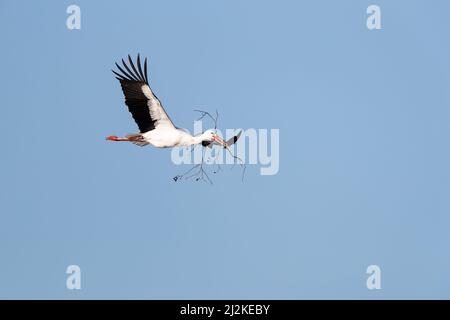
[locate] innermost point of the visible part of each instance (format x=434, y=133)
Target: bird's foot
x=116, y=138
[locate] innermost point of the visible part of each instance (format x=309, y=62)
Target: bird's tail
x=137, y=139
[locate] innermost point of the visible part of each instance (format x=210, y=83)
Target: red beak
x=220, y=141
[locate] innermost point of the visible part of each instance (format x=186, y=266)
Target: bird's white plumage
x=162, y=137
x=157, y=112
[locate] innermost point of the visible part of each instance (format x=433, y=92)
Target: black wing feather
x=134, y=69
x=140, y=69
x=119, y=76
x=123, y=72
x=132, y=77
x=145, y=70
x=137, y=102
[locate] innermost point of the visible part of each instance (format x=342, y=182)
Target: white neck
x=198, y=138
x=189, y=140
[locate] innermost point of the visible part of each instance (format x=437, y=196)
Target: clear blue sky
x=364, y=157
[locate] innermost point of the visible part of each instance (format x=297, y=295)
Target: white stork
x=154, y=124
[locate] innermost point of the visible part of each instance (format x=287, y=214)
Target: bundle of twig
x=200, y=174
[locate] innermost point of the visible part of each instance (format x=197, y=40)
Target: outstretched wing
x=145, y=107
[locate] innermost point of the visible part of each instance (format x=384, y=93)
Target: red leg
x=115, y=138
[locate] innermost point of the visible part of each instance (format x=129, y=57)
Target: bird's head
x=210, y=135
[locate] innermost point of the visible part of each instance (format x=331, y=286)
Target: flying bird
x=155, y=126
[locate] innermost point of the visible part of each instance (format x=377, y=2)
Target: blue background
x=364, y=157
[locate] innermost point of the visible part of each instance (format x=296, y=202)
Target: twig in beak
x=201, y=173
x=241, y=163
x=220, y=141
x=206, y=113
